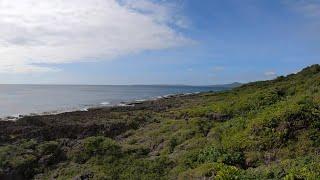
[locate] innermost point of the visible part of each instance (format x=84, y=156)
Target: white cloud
x=312, y=8
x=57, y=31
x=309, y=8
x=163, y=12
x=26, y=68
x=308, y=12
x=270, y=74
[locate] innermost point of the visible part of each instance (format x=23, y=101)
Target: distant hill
x=232, y=85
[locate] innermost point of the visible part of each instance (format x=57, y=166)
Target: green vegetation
x=261, y=130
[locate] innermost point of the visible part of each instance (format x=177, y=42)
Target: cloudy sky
x=156, y=41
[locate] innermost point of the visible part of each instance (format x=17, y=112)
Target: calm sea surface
x=26, y=99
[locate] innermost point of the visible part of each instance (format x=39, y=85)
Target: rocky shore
x=106, y=121
x=70, y=128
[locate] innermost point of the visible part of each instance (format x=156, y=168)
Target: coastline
x=103, y=105
x=235, y=132
x=111, y=121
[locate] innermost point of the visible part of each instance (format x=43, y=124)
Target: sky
x=194, y=42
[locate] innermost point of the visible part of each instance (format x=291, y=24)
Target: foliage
x=261, y=130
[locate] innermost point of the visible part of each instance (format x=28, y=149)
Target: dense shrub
x=211, y=154
x=218, y=171
x=261, y=130
x=102, y=147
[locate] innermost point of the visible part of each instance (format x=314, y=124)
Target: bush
x=157, y=168
x=17, y=159
x=105, y=148
x=212, y=170
x=172, y=144
x=228, y=157
x=48, y=147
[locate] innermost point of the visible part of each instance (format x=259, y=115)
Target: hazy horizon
x=205, y=85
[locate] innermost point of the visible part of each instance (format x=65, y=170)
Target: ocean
x=18, y=100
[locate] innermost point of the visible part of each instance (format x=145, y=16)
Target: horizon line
x=71, y=84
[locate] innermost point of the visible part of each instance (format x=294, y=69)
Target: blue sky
x=181, y=42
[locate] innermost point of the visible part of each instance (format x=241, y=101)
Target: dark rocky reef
x=108, y=121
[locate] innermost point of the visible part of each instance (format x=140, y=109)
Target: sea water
x=18, y=100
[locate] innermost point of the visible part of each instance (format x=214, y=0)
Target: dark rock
x=84, y=176
x=217, y=117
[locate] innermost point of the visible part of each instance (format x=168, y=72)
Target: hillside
x=261, y=130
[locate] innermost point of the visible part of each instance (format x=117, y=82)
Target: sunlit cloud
x=56, y=31
x=270, y=74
